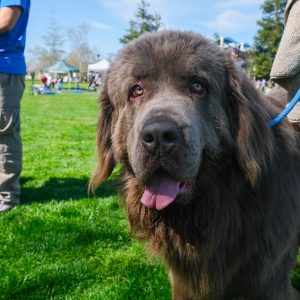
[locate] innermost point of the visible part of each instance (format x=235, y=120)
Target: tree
x=53, y=39
x=40, y=58
x=143, y=22
x=268, y=37
x=37, y=59
x=80, y=54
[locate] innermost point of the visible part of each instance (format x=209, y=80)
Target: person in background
x=13, y=22
x=53, y=83
x=77, y=81
x=263, y=85
x=44, y=81
x=235, y=55
x=59, y=84
x=91, y=82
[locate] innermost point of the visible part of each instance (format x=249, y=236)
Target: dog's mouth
x=162, y=190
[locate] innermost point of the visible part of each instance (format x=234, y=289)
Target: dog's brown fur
x=236, y=233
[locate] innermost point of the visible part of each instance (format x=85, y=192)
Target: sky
x=108, y=20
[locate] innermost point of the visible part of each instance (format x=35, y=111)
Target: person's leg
x=11, y=90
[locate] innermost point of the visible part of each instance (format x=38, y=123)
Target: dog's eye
x=197, y=88
x=136, y=92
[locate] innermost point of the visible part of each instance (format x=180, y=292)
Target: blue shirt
x=12, y=43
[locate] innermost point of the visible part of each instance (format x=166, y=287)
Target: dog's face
x=170, y=99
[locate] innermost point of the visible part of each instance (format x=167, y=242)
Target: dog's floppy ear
x=106, y=161
x=248, y=115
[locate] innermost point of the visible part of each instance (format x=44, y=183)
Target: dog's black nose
x=160, y=133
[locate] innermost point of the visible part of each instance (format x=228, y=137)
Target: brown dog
x=213, y=189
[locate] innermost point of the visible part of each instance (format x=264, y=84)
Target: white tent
x=99, y=67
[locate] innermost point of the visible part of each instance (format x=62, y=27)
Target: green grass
x=61, y=244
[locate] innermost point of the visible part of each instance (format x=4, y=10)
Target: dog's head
x=170, y=101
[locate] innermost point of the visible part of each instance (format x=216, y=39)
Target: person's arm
x=8, y=17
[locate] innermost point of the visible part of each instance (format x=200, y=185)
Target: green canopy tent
x=62, y=67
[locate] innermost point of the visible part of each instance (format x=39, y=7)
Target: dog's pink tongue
x=161, y=192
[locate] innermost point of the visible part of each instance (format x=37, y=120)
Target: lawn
x=60, y=243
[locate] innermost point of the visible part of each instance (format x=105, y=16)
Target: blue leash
x=285, y=112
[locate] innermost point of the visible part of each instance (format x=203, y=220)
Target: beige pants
x=11, y=90
x=286, y=65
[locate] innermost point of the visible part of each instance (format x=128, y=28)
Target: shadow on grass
x=62, y=189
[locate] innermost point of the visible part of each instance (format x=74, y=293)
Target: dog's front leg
x=179, y=290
